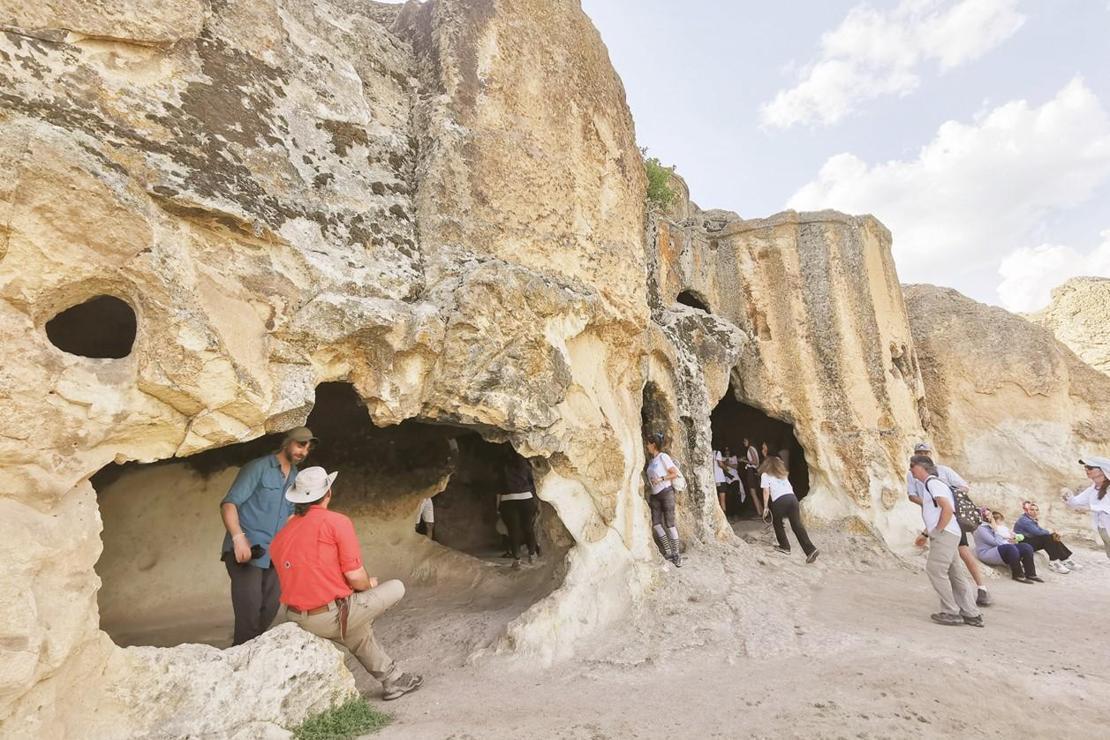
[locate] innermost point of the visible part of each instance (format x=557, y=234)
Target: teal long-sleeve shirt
x=259, y=494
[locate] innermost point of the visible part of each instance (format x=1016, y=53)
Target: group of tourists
x=949, y=517
x=766, y=479
x=742, y=477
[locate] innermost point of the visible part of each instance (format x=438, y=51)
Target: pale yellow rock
x=1079, y=316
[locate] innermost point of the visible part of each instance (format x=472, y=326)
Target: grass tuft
x=354, y=718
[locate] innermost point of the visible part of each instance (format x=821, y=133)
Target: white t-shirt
x=719, y=476
x=657, y=468
x=779, y=486
x=733, y=469
x=930, y=511
x=1100, y=510
x=914, y=487
x=1004, y=532
x=426, y=513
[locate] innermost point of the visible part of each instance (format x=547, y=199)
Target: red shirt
x=311, y=553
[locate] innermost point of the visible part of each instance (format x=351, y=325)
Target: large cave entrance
x=733, y=422
x=163, y=583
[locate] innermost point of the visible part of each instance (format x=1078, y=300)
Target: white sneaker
x=1058, y=566
x=1071, y=564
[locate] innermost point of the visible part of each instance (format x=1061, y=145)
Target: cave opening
x=693, y=300
x=163, y=582
x=734, y=421
x=103, y=327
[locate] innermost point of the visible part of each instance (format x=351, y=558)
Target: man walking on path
x=1039, y=538
x=948, y=576
x=325, y=587
x=915, y=490
x=253, y=511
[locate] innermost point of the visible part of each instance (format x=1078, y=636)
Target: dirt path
x=775, y=648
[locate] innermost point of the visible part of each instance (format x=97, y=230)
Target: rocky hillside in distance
x=1079, y=316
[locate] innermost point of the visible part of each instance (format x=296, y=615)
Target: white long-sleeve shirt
x=1100, y=509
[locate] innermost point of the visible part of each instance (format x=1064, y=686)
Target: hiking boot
x=1058, y=566
x=812, y=556
x=974, y=621
x=982, y=598
x=783, y=550
x=401, y=685
x=948, y=620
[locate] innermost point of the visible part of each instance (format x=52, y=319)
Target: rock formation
x=1010, y=407
x=422, y=229
x=1079, y=316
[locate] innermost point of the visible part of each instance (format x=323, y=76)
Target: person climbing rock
x=517, y=507
x=915, y=491
x=253, y=511
x=781, y=504
x=1094, y=498
x=948, y=576
x=325, y=587
x=661, y=473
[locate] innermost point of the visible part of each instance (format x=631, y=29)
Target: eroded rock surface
x=1079, y=316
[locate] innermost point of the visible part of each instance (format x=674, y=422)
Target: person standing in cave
x=780, y=503
x=751, y=475
x=253, y=511
x=325, y=587
x=915, y=491
x=426, y=519
x=661, y=473
x=517, y=507
x=720, y=476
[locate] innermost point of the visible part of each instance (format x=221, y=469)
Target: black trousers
x=787, y=507
x=1053, y=548
x=254, y=597
x=519, y=519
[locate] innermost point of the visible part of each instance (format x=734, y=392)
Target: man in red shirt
x=324, y=586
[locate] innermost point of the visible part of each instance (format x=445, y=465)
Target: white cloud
x=1029, y=274
x=874, y=53
x=977, y=189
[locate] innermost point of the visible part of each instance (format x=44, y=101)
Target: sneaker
x=948, y=620
x=516, y=564
x=1035, y=579
x=1058, y=567
x=812, y=556
x=531, y=558
x=974, y=621
x=1071, y=564
x=783, y=550
x=982, y=598
x=677, y=560
x=401, y=685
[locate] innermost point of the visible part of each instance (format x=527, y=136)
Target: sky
x=978, y=131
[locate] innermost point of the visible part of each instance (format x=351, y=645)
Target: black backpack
x=964, y=509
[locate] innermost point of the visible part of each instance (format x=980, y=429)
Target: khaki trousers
x=366, y=606
x=949, y=577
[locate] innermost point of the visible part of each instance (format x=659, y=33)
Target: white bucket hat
x=312, y=484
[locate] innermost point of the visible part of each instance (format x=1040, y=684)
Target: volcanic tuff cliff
x=1078, y=317
x=428, y=217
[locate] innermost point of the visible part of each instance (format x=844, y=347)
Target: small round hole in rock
x=101, y=327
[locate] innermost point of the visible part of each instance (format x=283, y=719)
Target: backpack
x=964, y=509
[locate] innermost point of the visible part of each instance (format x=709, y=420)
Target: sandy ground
x=744, y=642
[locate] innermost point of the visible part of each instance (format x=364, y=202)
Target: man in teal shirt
x=253, y=511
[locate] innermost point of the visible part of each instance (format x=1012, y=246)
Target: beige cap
x=300, y=434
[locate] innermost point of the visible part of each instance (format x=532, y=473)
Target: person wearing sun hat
x=1094, y=498
x=253, y=511
x=325, y=587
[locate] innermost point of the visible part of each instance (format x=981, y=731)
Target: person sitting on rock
x=915, y=491
x=1039, y=538
x=993, y=548
x=1094, y=498
x=324, y=586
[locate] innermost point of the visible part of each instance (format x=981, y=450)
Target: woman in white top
x=661, y=473
x=780, y=503
x=1095, y=498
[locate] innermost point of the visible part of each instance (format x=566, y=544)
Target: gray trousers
x=949, y=576
x=1105, y=535
x=254, y=598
